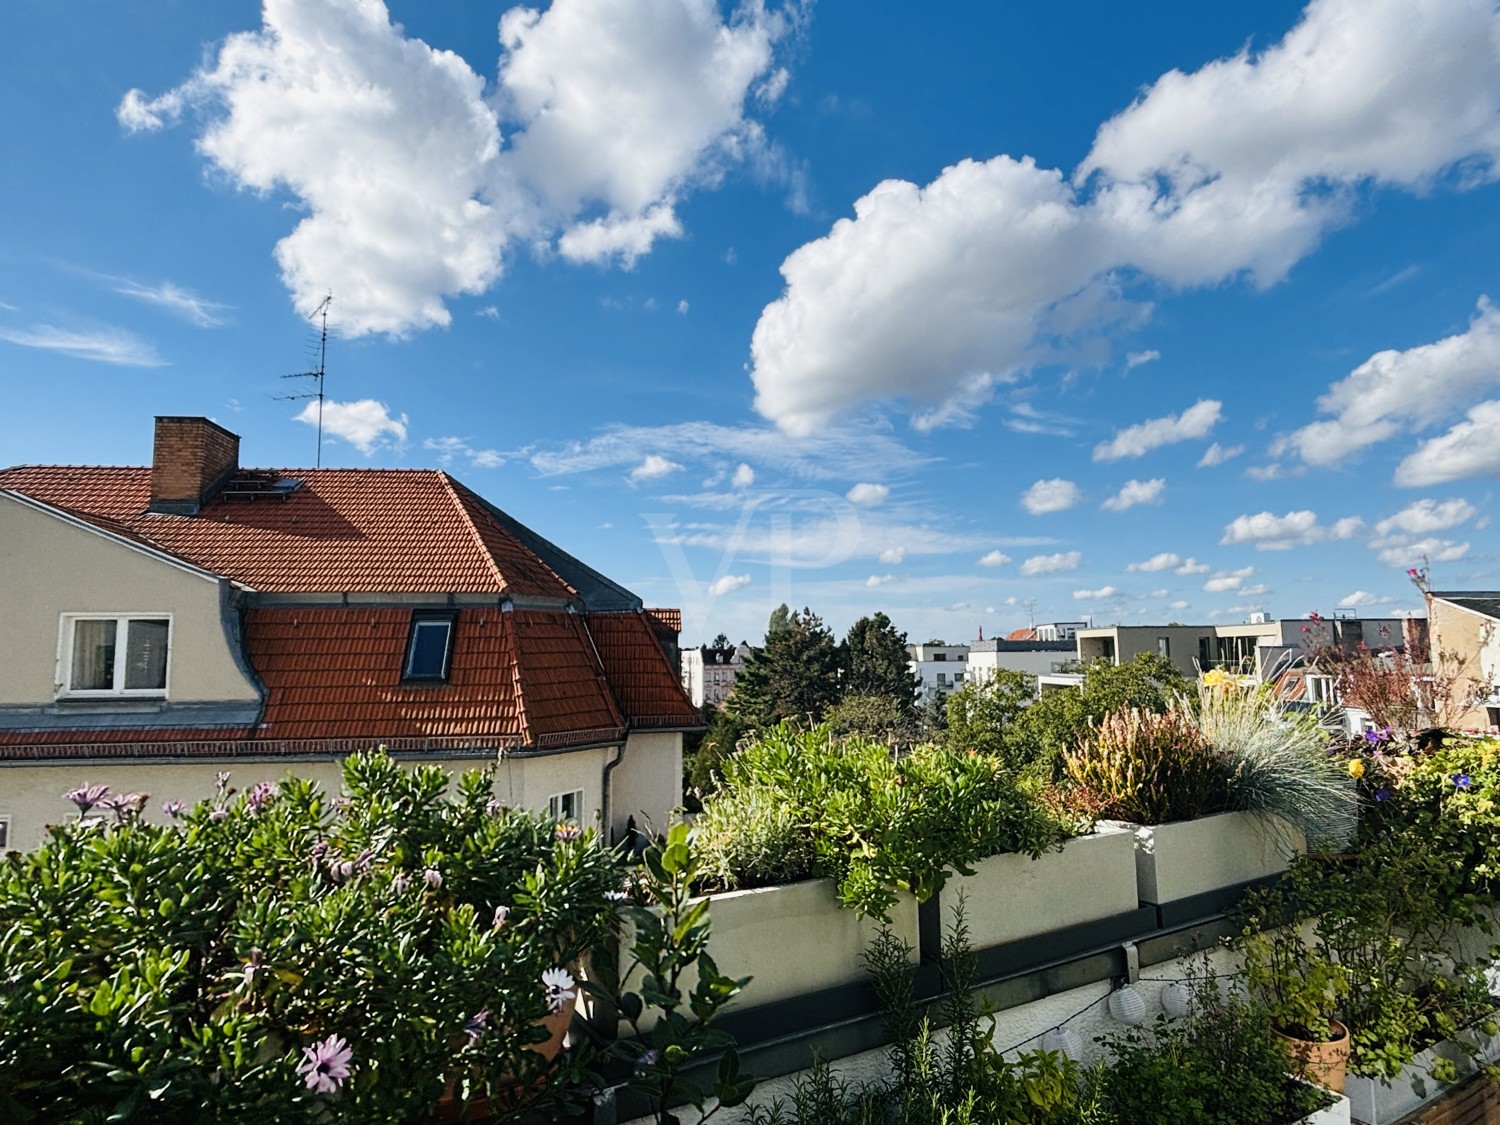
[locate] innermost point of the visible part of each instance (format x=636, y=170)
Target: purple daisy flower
x=86, y=797
x=325, y=1065
x=174, y=809
x=262, y=794
x=558, y=985
x=433, y=878
x=218, y=814
x=477, y=1025
x=501, y=914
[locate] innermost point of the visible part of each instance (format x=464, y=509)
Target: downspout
x=604, y=801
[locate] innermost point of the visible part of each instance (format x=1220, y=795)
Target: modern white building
x=1037, y=658
x=938, y=668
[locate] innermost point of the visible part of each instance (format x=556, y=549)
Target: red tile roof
x=670, y=619
x=343, y=530
x=639, y=672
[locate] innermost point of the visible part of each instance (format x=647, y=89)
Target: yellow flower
x=1356, y=768
x=1215, y=677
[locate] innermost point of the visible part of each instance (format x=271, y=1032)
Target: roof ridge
x=468, y=518
x=475, y=506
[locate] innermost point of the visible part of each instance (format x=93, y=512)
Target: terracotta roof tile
x=643, y=680
x=343, y=530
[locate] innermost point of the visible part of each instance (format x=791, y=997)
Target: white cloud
x=1052, y=564
x=683, y=306
x=1136, y=492
x=1394, y=392
x=449, y=448
x=1269, y=532
x=1179, y=605
x=1136, y=359
x=1135, y=441
x=1362, y=598
x=185, y=303
x=994, y=558
x=1056, y=495
x=893, y=556
x=108, y=345
x=653, y=467
x=1228, y=580
x=728, y=584
x=1404, y=552
x=1426, y=516
x=1191, y=565
x=1469, y=449
x=1096, y=595
x=879, y=579
x=1217, y=454
x=365, y=423
x=1164, y=561
x=1239, y=167
x=744, y=476
x=394, y=149
x=868, y=495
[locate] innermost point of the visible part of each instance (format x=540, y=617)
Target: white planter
x=1191, y=857
x=1336, y=1114
x=794, y=939
x=1014, y=896
x=1376, y=1101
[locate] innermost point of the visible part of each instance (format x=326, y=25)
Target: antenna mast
x=320, y=313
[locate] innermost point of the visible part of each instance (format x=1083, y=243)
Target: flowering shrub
x=1148, y=768
x=874, y=820
x=280, y=955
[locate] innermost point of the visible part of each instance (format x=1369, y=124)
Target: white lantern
x=1066, y=1040
x=1176, y=999
x=1127, y=1006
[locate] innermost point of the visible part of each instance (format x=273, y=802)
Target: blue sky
x=967, y=312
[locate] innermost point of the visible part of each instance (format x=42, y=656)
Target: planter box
x=794, y=939
x=1192, y=857
x=1376, y=1101
x=1336, y=1114
x=1010, y=897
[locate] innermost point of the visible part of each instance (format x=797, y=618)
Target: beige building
x=161, y=624
x=1464, y=632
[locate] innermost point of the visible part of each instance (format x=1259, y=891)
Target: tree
x=874, y=716
x=874, y=663
x=720, y=642
x=982, y=715
x=1059, y=719
x=781, y=617
x=795, y=676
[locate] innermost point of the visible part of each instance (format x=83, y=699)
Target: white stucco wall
x=648, y=781
x=50, y=566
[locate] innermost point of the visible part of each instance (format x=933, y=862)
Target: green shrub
x=1148, y=768
x=875, y=821
x=753, y=837
x=183, y=973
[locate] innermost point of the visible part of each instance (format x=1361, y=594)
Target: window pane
x=429, y=649
x=146, y=655
x=93, y=656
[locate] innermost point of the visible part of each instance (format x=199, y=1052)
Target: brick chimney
x=191, y=460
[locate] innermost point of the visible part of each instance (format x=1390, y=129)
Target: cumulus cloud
x=879, y=579
x=1056, y=495
x=868, y=495
x=106, y=345
x=1469, y=449
x=450, y=448
x=1135, y=492
x=1191, y=565
x=1226, y=580
x=1425, y=516
x=1136, y=441
x=941, y=292
x=614, y=111
x=1096, y=595
x=1403, y=551
x=653, y=467
x=1164, y=561
x=1395, y=392
x=893, y=556
x=365, y=423
x=1052, y=564
x=744, y=476
x=1362, y=598
x=1269, y=532
x=994, y=558
x=1135, y=359
x=728, y=584
x=1217, y=454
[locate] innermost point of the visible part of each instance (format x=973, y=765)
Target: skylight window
x=429, y=647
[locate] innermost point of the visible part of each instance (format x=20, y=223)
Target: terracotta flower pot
x=1323, y=1063
x=451, y=1108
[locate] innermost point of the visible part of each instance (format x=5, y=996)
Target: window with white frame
x=566, y=806
x=4, y=832
x=116, y=655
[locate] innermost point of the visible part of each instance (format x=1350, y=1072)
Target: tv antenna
x=321, y=314
x=1030, y=604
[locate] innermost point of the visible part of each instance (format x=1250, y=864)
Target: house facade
x=1464, y=634
x=708, y=673
x=938, y=668
x=161, y=624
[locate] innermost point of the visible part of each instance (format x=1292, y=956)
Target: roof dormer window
x=115, y=655
x=429, y=647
